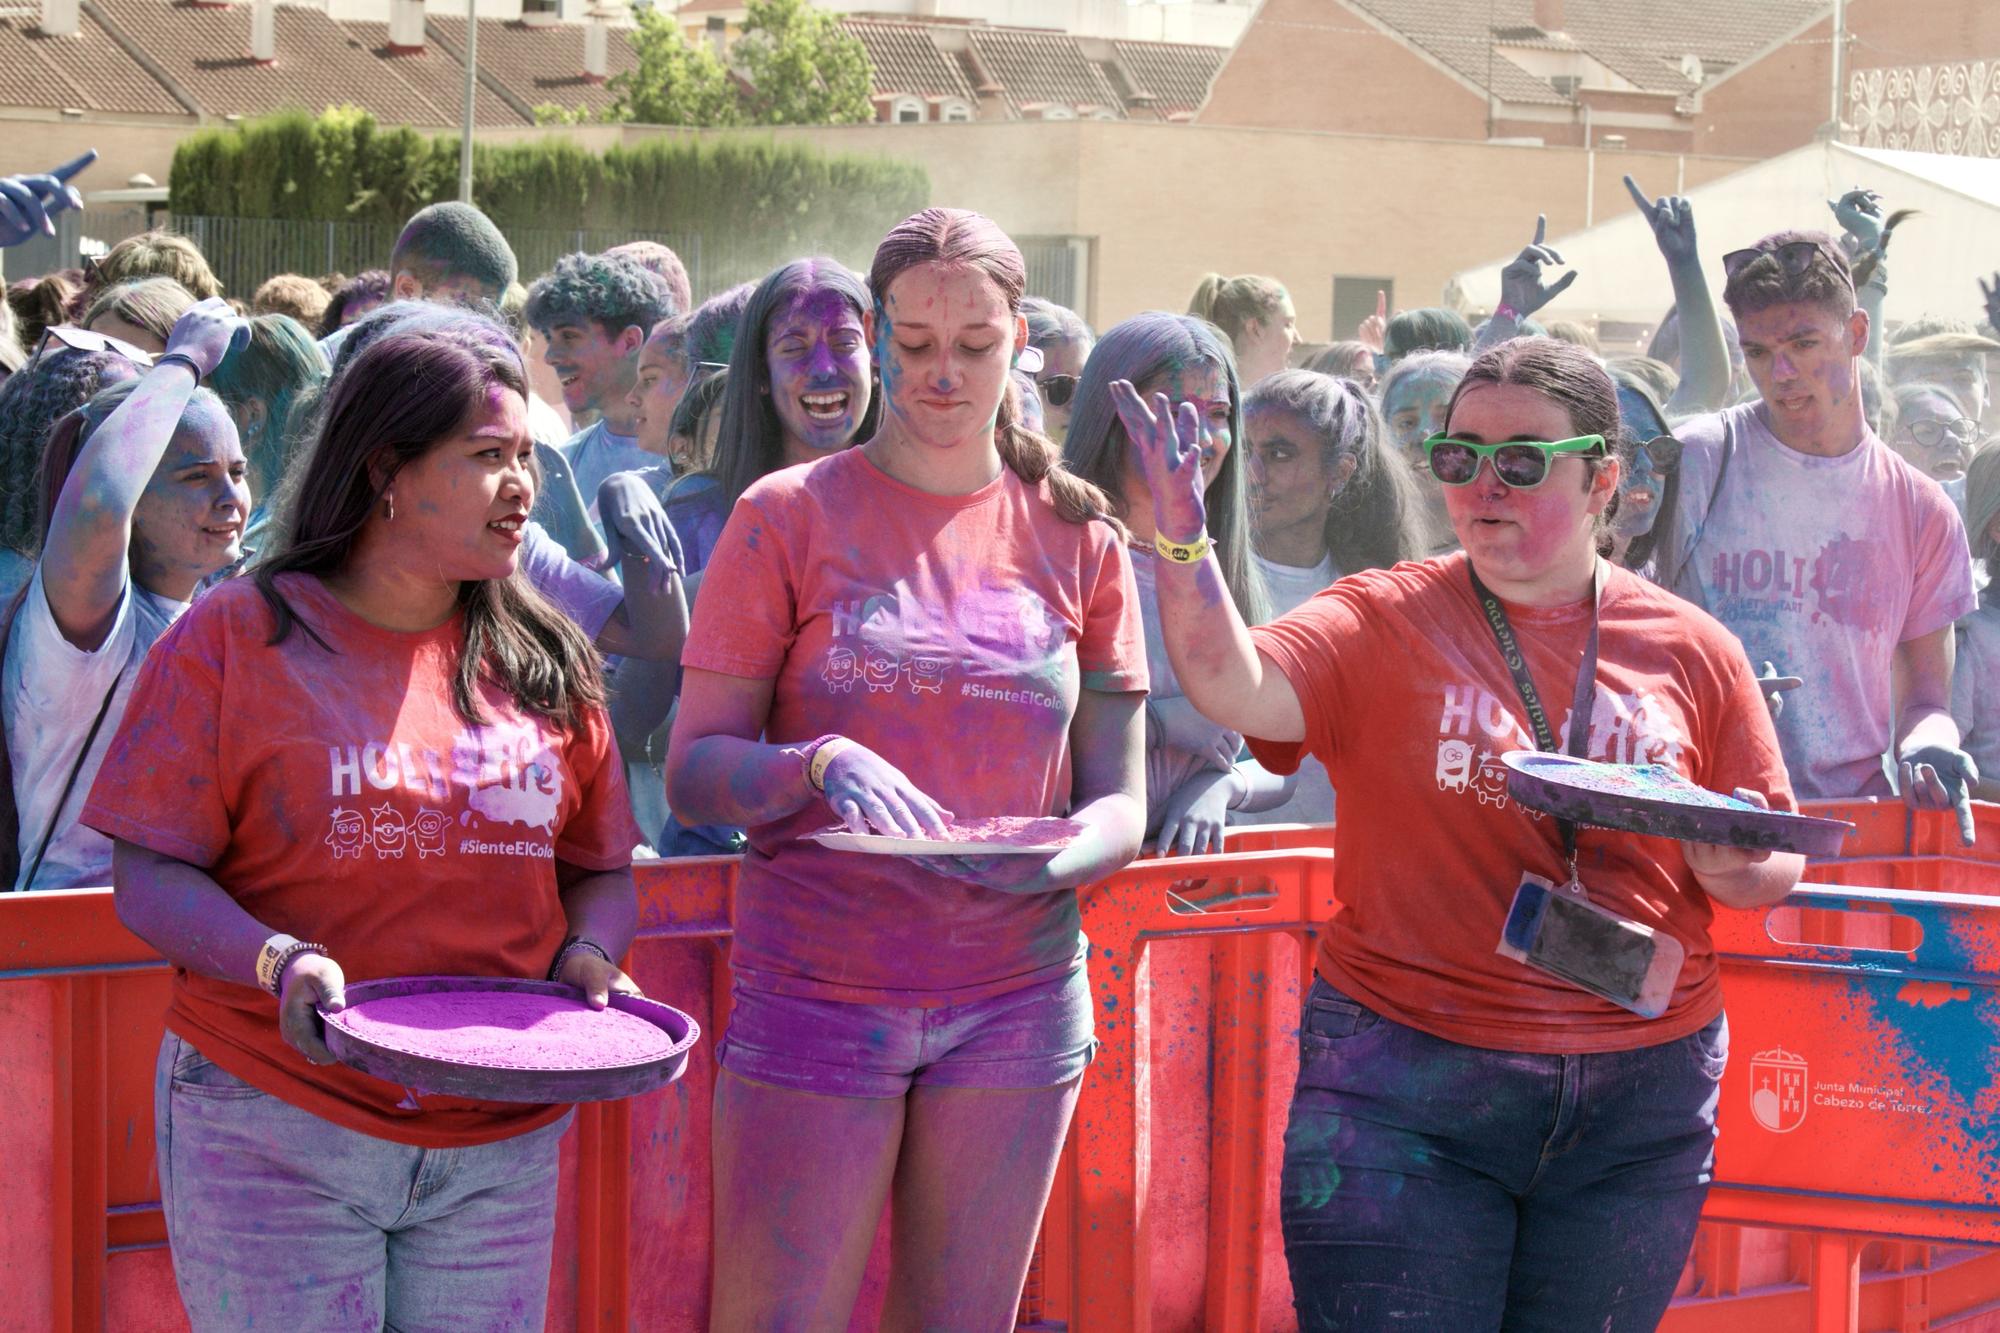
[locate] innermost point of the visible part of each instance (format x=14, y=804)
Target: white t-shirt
x=51, y=692
x=1291, y=587
x=1822, y=566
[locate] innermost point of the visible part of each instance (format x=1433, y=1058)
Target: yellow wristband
x=1182, y=553
x=822, y=758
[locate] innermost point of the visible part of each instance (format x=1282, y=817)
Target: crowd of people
x=373, y=627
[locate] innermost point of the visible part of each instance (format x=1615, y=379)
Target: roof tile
x=1043, y=68
x=905, y=60
x=437, y=74
x=1176, y=76
x=542, y=63
x=88, y=70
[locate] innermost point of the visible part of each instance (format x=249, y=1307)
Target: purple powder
x=1016, y=831
x=505, y=1030
x=1652, y=782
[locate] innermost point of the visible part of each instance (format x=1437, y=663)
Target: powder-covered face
x=1291, y=481
x=1267, y=343
x=946, y=340
x=817, y=352
x=460, y=507
x=1061, y=356
x=1641, y=488
x=1205, y=385
x=1801, y=358
x=189, y=521
x=1935, y=436
x=1963, y=377
x=662, y=383
x=593, y=365
x=1523, y=535
x=1415, y=409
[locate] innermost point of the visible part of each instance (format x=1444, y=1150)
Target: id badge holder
x=1560, y=932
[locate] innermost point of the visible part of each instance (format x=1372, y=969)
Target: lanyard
x=1538, y=718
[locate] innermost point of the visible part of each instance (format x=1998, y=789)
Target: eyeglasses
x=1057, y=390
x=1663, y=450
x=1794, y=258
x=1522, y=464
x=84, y=340
x=1934, y=434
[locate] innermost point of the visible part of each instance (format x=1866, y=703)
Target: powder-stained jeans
x=1429, y=1185
x=281, y=1220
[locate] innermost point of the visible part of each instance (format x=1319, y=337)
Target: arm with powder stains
x=1704, y=368
x=85, y=556
x=1220, y=670
x=1933, y=772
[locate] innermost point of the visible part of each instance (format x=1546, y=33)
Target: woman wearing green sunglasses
x=1478, y=1139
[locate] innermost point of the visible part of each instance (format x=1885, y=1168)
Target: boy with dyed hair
x=451, y=253
x=1823, y=551
x=595, y=311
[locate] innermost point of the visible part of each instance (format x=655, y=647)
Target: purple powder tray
x=1655, y=800
x=502, y=1039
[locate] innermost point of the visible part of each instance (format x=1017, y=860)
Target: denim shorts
x=1040, y=1036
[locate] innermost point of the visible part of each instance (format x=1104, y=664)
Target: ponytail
x=1202, y=304
x=1232, y=303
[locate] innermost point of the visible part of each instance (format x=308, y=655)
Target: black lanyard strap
x=1538, y=718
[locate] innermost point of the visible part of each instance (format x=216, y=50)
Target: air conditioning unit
x=1567, y=85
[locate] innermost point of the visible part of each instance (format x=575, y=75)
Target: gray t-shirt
x=1291, y=587
x=51, y=692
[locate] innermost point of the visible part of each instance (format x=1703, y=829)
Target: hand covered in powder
x=1521, y=284
x=1711, y=860
x=1672, y=220
x=1859, y=212
x=206, y=332
x=1989, y=293
x=636, y=529
x=312, y=981
x=595, y=978
x=1939, y=777
x=26, y=202
x=1196, y=813
x=1177, y=723
x=1775, y=687
x=1168, y=449
x=870, y=795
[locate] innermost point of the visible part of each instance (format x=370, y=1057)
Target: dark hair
x=454, y=240
x=1231, y=303
x=1342, y=359
x=32, y=401
x=1763, y=282
x=152, y=304
x=406, y=393
x=1142, y=349
x=370, y=288
x=40, y=303
x=1567, y=376
x=697, y=407
x=660, y=259
x=752, y=441
x=1051, y=323
x=711, y=330
x=958, y=237
x=1659, y=378
x=1641, y=548
x=612, y=292
x=279, y=361
x=1431, y=329
x=1376, y=519
x=154, y=254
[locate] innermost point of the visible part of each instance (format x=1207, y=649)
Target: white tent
x=1935, y=260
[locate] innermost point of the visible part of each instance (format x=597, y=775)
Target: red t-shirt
x=951, y=635
x=339, y=798
x=1409, y=705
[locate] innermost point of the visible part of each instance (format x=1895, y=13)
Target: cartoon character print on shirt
x=1003, y=645
x=840, y=671
x=388, y=831
x=428, y=833
x=501, y=775
x=348, y=835
x=1476, y=729
x=1851, y=581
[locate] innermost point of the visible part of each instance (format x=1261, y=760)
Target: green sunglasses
x=1522, y=464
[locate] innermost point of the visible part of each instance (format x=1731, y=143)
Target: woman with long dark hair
x=382, y=755
x=1486, y=1136
x=876, y=629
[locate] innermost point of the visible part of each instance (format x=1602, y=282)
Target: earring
x=389, y=506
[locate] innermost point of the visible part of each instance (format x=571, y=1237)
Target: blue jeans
x=279, y=1219
x=1429, y=1185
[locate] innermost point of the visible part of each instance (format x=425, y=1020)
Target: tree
x=675, y=83
x=802, y=67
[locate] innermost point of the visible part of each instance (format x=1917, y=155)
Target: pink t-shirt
x=951, y=634
x=1822, y=566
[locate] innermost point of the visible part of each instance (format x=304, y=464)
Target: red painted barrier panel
x=1164, y=1214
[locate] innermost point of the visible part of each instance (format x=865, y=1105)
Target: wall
x=1319, y=65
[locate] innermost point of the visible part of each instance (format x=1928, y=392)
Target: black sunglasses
x=1057, y=390
x=1664, y=450
x=1794, y=258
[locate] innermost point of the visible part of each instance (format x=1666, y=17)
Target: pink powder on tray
x=1015, y=831
x=505, y=1030
x=1650, y=781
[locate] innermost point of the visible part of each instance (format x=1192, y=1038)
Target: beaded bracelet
x=574, y=944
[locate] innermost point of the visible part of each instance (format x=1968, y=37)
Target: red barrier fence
x=1880, y=977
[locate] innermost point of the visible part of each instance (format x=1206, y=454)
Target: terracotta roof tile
x=89, y=70
x=541, y=63
x=904, y=59
x=437, y=74
x=206, y=50
x=1043, y=68
x=1176, y=76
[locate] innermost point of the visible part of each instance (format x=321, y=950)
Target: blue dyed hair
x=454, y=240
x=280, y=360
x=1144, y=350
x=610, y=291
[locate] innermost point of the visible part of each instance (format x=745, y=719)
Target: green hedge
x=341, y=166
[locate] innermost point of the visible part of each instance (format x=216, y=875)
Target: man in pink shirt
x=1823, y=551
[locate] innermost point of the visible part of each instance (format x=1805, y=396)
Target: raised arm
x=1865, y=233
x=1220, y=670
x=90, y=534
x=1704, y=368
x=1522, y=291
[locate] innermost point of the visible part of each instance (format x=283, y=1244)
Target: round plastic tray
x=478, y=1038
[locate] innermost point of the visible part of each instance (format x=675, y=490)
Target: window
x=1354, y=301
x=957, y=113
x=1054, y=112
x=1058, y=268
x=906, y=111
